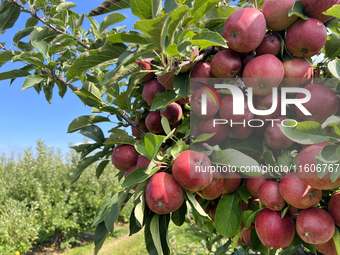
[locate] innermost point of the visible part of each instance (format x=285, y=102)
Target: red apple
x=270, y=45
x=315, y=8
x=226, y=110
x=245, y=235
x=201, y=73
x=333, y=208
x=297, y=193
x=274, y=136
x=293, y=211
x=207, y=127
x=145, y=66
x=226, y=64
x=266, y=103
x=272, y=230
x=214, y=189
x=244, y=29
x=323, y=103
x=253, y=184
x=240, y=132
x=167, y=80
x=327, y=248
x=276, y=14
x=189, y=169
x=212, y=103
x=131, y=169
x=150, y=90
x=163, y=194
x=305, y=38
x=231, y=182
x=124, y=156
x=306, y=162
x=173, y=113
x=263, y=73
x=153, y=122
x=315, y=225
x=298, y=72
x=270, y=196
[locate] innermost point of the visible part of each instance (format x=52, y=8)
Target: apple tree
x=269, y=187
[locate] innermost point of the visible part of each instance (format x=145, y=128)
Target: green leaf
x=153, y=143
x=327, y=159
x=110, y=20
x=99, y=237
x=307, y=132
x=170, y=5
x=201, y=7
x=31, y=22
x=41, y=46
x=65, y=6
x=89, y=90
x=154, y=229
x=237, y=159
x=333, y=11
x=33, y=57
x=172, y=50
x=110, y=6
x=128, y=37
x=9, y=17
x=195, y=205
x=112, y=212
x=16, y=73
x=85, y=121
x=82, y=165
x=206, y=39
x=228, y=210
x=155, y=30
x=150, y=246
x=336, y=240
x=334, y=68
x=249, y=217
x=298, y=10
x=165, y=125
x=100, y=168
x=202, y=138
x=133, y=226
x=95, y=57
x=31, y=81
x=22, y=34
x=178, y=148
x=93, y=132
x=145, y=9
x=43, y=34
x=163, y=100
x=120, y=137
x=332, y=46
x=137, y=176
x=218, y=14
x=178, y=216
x=176, y=20
x=100, y=213
x=181, y=84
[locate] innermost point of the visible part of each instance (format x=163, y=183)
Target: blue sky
x=27, y=117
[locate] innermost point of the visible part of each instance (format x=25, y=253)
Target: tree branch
x=2, y=47
x=204, y=54
x=49, y=25
x=133, y=124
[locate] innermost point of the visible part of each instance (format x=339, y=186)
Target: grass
x=182, y=241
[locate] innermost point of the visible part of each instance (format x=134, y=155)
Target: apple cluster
x=256, y=40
